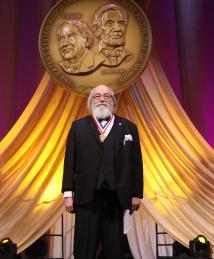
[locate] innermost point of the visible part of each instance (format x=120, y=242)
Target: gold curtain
x=178, y=163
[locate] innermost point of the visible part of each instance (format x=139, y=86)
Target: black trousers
x=101, y=220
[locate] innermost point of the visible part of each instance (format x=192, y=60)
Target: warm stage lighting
x=200, y=247
x=202, y=239
x=5, y=241
x=8, y=249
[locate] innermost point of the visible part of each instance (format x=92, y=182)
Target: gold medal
x=102, y=137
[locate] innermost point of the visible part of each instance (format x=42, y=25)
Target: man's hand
x=69, y=204
x=135, y=204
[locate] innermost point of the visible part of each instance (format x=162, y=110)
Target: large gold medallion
x=86, y=43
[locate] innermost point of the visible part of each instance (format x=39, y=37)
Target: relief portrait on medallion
x=84, y=48
x=110, y=23
x=75, y=40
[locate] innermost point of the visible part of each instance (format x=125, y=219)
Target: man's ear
x=97, y=31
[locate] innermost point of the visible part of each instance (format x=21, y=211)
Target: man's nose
x=117, y=26
x=66, y=40
x=102, y=98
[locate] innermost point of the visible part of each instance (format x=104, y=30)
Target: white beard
x=102, y=112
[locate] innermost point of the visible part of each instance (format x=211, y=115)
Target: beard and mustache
x=113, y=39
x=102, y=111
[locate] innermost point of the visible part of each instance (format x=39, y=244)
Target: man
x=102, y=176
x=110, y=25
x=75, y=41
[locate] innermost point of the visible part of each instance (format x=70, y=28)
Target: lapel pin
x=120, y=123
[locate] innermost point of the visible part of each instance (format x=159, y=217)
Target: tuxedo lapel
x=118, y=126
x=93, y=128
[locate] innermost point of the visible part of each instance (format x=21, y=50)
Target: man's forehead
x=113, y=14
x=67, y=28
x=102, y=89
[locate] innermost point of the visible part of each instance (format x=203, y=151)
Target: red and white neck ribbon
x=105, y=131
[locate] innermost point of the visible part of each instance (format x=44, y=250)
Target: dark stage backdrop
x=183, y=37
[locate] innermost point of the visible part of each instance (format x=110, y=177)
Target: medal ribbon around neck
x=104, y=131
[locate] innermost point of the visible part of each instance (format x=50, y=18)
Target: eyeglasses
x=106, y=97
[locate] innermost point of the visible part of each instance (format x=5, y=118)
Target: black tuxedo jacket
x=82, y=156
